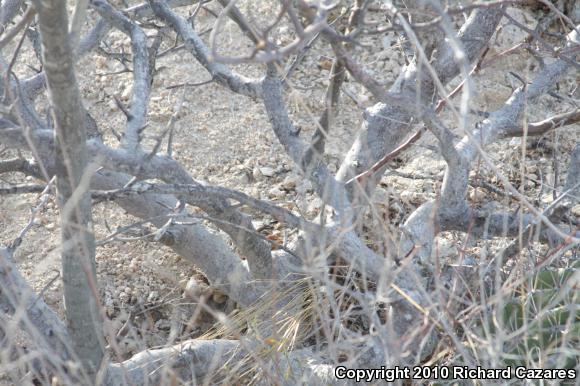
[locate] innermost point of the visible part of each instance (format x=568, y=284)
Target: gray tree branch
x=78, y=255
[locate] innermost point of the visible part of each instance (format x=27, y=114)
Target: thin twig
x=22, y=24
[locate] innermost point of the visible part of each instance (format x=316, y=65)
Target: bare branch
x=209, y=252
x=430, y=218
x=325, y=123
x=385, y=125
x=199, y=359
x=76, y=23
x=19, y=165
x=355, y=277
x=327, y=187
x=22, y=23
x=504, y=118
x=545, y=126
x=266, y=51
x=142, y=73
x=198, y=193
x=146, y=166
x=144, y=9
x=235, y=14
x=21, y=189
x=219, y=72
x=8, y=11
x=38, y=319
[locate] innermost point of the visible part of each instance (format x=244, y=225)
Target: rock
x=153, y=295
x=476, y=195
x=109, y=304
x=444, y=248
x=195, y=289
x=219, y=297
x=123, y=297
x=275, y=192
x=412, y=197
x=314, y=206
x=258, y=225
x=290, y=182
x=576, y=211
x=256, y=173
x=547, y=199
x=243, y=178
x=158, y=81
x=127, y=93
x=163, y=324
x=532, y=169
x=267, y=171
x=129, y=345
x=387, y=42
x=112, y=105
x=255, y=192
x=304, y=186
x=515, y=142
x=101, y=62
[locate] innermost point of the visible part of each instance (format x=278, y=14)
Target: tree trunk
x=78, y=244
